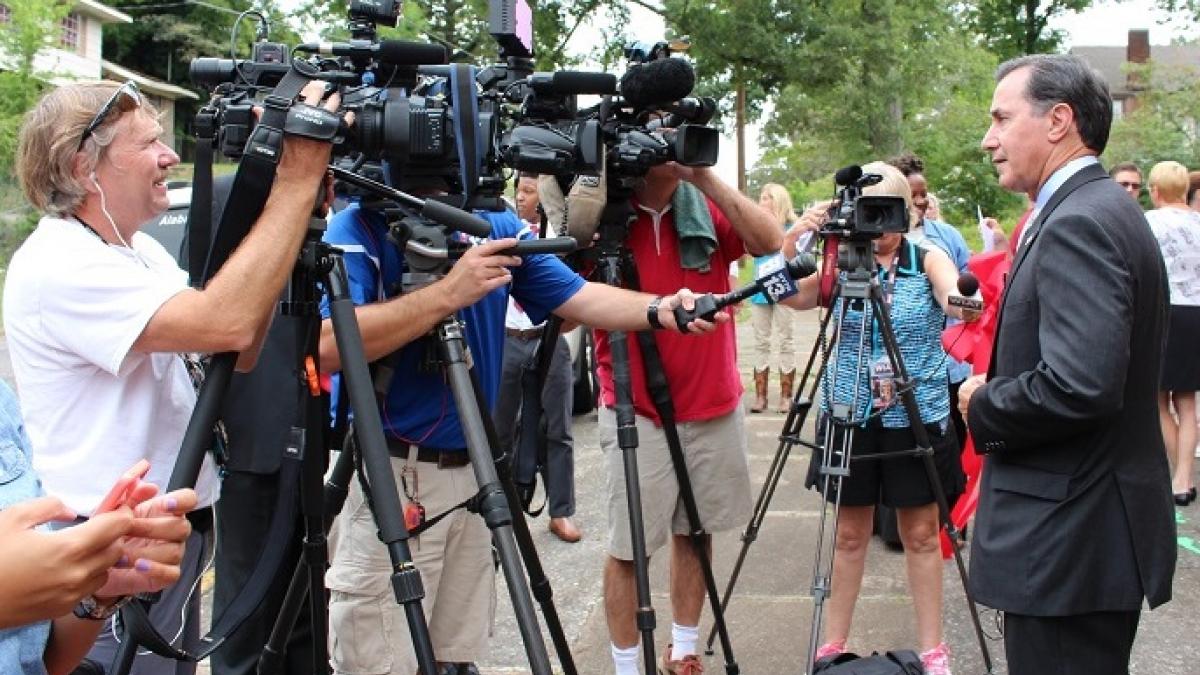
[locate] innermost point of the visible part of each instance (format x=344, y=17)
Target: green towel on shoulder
x=694, y=227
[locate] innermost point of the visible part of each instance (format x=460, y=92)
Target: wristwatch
x=652, y=313
x=92, y=609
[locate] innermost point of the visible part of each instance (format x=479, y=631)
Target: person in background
x=929, y=230
x=920, y=281
x=1193, y=193
x=1177, y=228
x=774, y=324
x=521, y=340
x=1129, y=177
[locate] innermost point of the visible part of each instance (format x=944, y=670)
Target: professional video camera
x=651, y=122
x=857, y=217
x=419, y=116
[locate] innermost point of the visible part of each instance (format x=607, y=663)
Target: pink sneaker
x=830, y=649
x=936, y=661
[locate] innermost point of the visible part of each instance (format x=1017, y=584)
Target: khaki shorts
x=368, y=631
x=715, y=451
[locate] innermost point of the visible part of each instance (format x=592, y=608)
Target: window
x=5, y=13
x=69, y=39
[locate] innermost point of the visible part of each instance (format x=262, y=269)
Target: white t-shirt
x=73, y=307
x=1178, y=234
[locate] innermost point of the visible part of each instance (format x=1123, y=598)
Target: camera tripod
x=316, y=261
x=860, y=287
x=615, y=265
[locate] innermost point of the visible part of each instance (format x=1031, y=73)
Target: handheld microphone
x=389, y=52
x=968, y=286
x=658, y=82
x=776, y=280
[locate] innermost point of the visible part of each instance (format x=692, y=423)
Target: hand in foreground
x=999, y=238
x=305, y=159
x=480, y=271
x=687, y=299
x=968, y=388
x=153, y=548
x=45, y=574
x=969, y=315
x=810, y=221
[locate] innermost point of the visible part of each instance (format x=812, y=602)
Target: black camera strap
x=200, y=226
x=466, y=126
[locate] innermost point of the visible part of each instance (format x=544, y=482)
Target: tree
x=1011, y=28
x=33, y=25
x=1165, y=125
x=879, y=78
x=744, y=52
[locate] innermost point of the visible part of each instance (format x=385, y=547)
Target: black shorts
x=899, y=481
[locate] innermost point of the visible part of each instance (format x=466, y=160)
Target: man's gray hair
x=1064, y=78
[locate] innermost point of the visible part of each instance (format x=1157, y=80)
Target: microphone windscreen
x=968, y=284
x=573, y=82
x=585, y=203
x=406, y=53
x=848, y=175
x=661, y=81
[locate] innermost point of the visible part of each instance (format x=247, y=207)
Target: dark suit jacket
x=1075, y=509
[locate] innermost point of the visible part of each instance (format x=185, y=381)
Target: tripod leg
x=539, y=584
x=493, y=504
x=792, y=426
x=925, y=450
x=387, y=509
x=656, y=382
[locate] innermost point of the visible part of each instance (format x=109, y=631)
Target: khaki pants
x=715, y=453
x=773, y=323
x=368, y=631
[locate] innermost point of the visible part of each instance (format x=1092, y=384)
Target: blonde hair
x=1171, y=179
x=49, y=141
x=781, y=204
x=894, y=184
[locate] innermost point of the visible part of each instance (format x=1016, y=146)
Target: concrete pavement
x=772, y=608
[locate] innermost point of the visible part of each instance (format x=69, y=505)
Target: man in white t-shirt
x=98, y=314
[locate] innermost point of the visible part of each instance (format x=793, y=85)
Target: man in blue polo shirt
x=429, y=459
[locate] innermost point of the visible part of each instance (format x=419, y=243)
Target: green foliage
x=1011, y=28
x=462, y=27
x=33, y=24
x=18, y=92
x=1164, y=125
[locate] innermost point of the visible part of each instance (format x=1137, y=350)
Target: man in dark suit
x=1075, y=524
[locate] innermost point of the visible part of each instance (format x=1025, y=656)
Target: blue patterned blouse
x=918, y=320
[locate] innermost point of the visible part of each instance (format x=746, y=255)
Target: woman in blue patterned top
x=917, y=282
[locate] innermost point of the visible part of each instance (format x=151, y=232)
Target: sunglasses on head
x=126, y=92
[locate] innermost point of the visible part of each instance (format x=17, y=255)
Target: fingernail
x=123, y=562
x=142, y=566
x=171, y=503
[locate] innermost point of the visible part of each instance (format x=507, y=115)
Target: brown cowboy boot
x=760, y=390
x=786, y=379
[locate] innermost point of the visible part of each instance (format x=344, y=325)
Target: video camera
x=652, y=121
x=421, y=117
x=858, y=217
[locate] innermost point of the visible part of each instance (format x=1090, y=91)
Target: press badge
x=883, y=383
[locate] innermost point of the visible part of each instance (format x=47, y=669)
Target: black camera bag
x=898, y=662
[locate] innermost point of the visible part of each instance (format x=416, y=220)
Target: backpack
x=899, y=662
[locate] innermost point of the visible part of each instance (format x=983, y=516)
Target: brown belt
x=443, y=457
x=524, y=333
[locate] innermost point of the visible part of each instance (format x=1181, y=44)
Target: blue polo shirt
x=419, y=407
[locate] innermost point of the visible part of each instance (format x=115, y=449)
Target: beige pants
x=715, y=453
x=368, y=631
x=773, y=323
